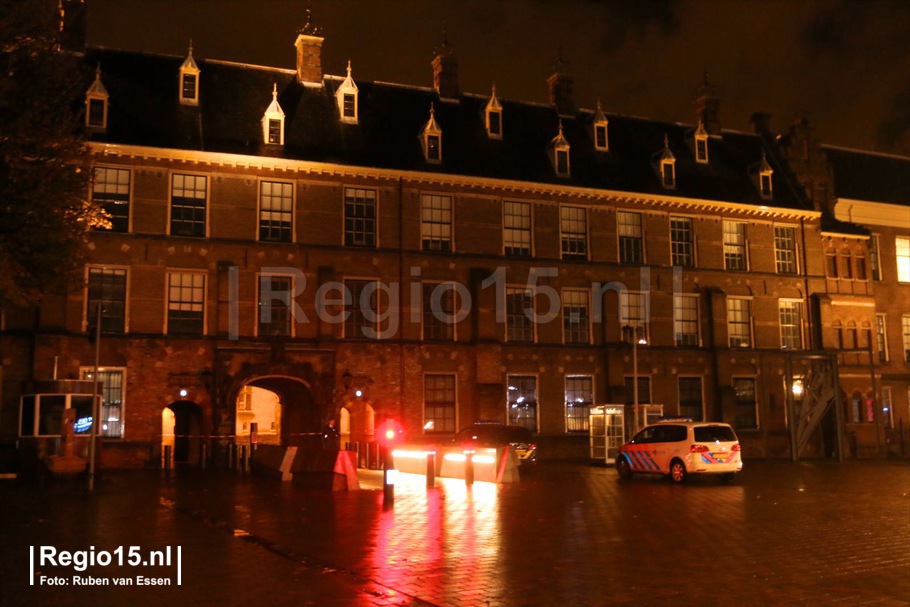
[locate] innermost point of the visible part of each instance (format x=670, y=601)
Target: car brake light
x=736, y=447
x=698, y=449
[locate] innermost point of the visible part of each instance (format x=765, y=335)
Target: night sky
x=843, y=63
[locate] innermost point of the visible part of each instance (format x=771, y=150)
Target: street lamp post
x=636, y=341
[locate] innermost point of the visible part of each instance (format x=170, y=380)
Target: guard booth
x=606, y=428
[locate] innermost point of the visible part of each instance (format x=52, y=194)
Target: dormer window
x=189, y=80
x=431, y=139
x=667, y=167
x=559, y=154
x=764, y=179
x=493, y=117
x=96, y=99
x=601, y=141
x=701, y=144
x=347, y=100
x=273, y=121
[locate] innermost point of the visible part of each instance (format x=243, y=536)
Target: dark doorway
x=186, y=434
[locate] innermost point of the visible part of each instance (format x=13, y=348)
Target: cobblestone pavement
x=816, y=533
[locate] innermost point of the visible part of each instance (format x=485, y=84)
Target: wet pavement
x=815, y=533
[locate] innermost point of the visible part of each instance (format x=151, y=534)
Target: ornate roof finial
x=309, y=28
x=349, y=68
x=274, y=90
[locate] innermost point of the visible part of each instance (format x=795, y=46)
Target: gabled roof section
x=389, y=117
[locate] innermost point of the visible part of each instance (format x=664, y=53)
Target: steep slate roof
x=145, y=110
x=867, y=176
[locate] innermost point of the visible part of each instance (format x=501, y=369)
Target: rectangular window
x=644, y=390
x=521, y=401
x=685, y=320
x=690, y=399
x=573, y=225
x=275, y=303
x=111, y=189
x=276, y=211
x=785, y=249
x=439, y=403
x=765, y=179
x=188, y=205
x=362, y=310
x=874, y=257
x=439, y=311
x=681, y=242
x=359, y=217
x=630, y=237
x=275, y=131
x=107, y=288
x=861, y=267
x=112, y=399
x=579, y=397
x=600, y=136
x=347, y=109
x=96, y=112
x=735, y=245
x=846, y=265
x=746, y=412
x=519, y=314
x=562, y=162
x=576, y=317
x=739, y=322
x=881, y=338
x=495, y=123
x=633, y=311
x=701, y=149
x=516, y=228
x=667, y=171
x=189, y=87
x=436, y=222
x=902, y=247
x=186, y=303
x=791, y=329
x=905, y=331
x=433, y=147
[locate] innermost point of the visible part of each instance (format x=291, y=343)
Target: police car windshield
x=711, y=434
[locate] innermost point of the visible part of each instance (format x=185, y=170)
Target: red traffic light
x=389, y=432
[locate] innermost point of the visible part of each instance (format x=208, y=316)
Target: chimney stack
x=445, y=70
x=761, y=123
x=561, y=83
x=707, y=108
x=309, y=53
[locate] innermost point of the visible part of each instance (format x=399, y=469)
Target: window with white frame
x=189, y=80
x=576, y=318
x=631, y=247
x=682, y=242
x=579, y=398
x=346, y=99
x=745, y=415
x=644, y=390
x=739, y=322
x=685, y=319
x=186, y=303
x=42, y=414
x=573, y=227
x=874, y=258
x=516, y=228
x=274, y=317
x=905, y=331
x=701, y=144
x=902, y=249
x=362, y=309
x=521, y=401
x=359, y=217
x=96, y=102
x=438, y=311
x=633, y=312
x=519, y=314
x=881, y=337
x=785, y=249
x=493, y=117
x=276, y=211
x=436, y=222
x=106, y=288
x=188, y=205
x=111, y=189
x=113, y=392
x=273, y=121
x=735, y=245
x=601, y=124
x=439, y=403
x=431, y=139
x=691, y=404
x=791, y=329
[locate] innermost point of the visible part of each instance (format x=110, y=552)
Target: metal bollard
x=431, y=469
x=203, y=457
x=241, y=465
x=389, y=475
x=469, y=468
x=166, y=464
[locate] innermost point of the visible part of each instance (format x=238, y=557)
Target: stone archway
x=299, y=419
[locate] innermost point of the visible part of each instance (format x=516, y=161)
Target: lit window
x=431, y=139
x=436, y=222
x=685, y=320
x=579, y=398
x=682, y=242
x=874, y=257
x=359, y=217
x=111, y=189
x=634, y=314
x=439, y=405
x=905, y=331
x=785, y=249
x=493, y=117
x=186, y=303
x=188, y=205
x=631, y=246
x=113, y=387
x=276, y=203
x=521, y=401
x=881, y=338
x=516, y=228
x=189, y=79
x=790, y=316
x=735, y=245
x=273, y=121
x=739, y=322
x=347, y=99
x=902, y=246
x=575, y=317
x=573, y=226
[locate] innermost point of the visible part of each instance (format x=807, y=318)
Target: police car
x=678, y=448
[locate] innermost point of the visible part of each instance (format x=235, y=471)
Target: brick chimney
x=561, y=83
x=309, y=53
x=445, y=71
x=707, y=108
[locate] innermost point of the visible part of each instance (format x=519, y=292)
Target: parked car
x=680, y=448
x=494, y=435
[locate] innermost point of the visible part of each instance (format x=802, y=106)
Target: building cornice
x=109, y=151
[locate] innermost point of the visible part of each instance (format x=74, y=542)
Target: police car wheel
x=677, y=471
x=623, y=469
